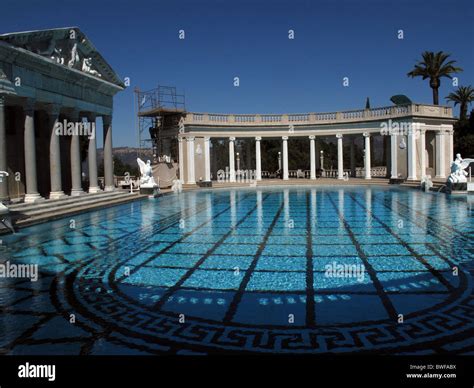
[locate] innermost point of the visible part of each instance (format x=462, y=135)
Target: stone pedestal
x=150, y=191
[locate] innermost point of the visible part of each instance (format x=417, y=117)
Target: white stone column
x=191, y=172
x=422, y=153
x=367, y=156
x=449, y=136
x=108, y=155
x=4, y=196
x=285, y=157
x=32, y=194
x=312, y=153
x=181, y=159
x=207, y=159
x=75, y=148
x=411, y=149
x=352, y=157
x=440, y=156
x=92, y=156
x=231, y=159
x=340, y=160
x=258, y=159
x=394, y=156
x=55, y=155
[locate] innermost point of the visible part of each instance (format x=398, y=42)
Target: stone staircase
x=25, y=214
x=437, y=185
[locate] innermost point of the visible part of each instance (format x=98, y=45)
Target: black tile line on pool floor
x=158, y=305
x=387, y=303
x=165, y=249
x=113, y=283
x=59, y=277
x=276, y=270
x=310, y=303
x=89, y=222
x=434, y=224
x=436, y=221
x=420, y=258
x=60, y=274
x=234, y=304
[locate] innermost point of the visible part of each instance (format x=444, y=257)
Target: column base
x=412, y=178
x=77, y=193
x=5, y=199
x=32, y=198
x=191, y=183
x=109, y=188
x=57, y=195
x=94, y=190
x=368, y=177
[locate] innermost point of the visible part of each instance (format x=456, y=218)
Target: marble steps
x=26, y=218
x=49, y=203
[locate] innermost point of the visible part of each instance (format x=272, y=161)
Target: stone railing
x=378, y=171
x=361, y=115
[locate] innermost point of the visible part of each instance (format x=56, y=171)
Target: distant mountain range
x=128, y=155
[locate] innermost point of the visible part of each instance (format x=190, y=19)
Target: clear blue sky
x=249, y=39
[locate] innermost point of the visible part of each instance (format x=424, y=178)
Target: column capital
x=29, y=106
x=180, y=139
x=90, y=116
x=207, y=138
x=2, y=99
x=258, y=138
x=366, y=134
x=284, y=138
x=190, y=138
x=231, y=138
x=312, y=137
x=339, y=136
x=107, y=120
x=53, y=110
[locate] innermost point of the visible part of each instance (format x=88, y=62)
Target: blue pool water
x=250, y=270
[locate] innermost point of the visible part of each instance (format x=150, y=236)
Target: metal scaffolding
x=157, y=109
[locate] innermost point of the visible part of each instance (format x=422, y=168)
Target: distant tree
x=120, y=168
x=463, y=96
x=434, y=67
x=464, y=137
x=367, y=103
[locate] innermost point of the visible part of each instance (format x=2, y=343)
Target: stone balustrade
x=381, y=113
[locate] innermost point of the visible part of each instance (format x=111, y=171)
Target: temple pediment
x=67, y=47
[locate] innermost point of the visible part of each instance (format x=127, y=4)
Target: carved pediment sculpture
x=67, y=47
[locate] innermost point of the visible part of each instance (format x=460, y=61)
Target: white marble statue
x=426, y=183
x=146, y=180
x=87, y=67
x=74, y=57
x=177, y=186
x=458, y=169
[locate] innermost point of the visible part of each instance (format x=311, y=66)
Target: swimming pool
x=299, y=270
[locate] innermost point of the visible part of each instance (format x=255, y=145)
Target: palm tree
x=434, y=66
x=463, y=96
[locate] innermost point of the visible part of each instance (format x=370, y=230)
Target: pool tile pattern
x=247, y=271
